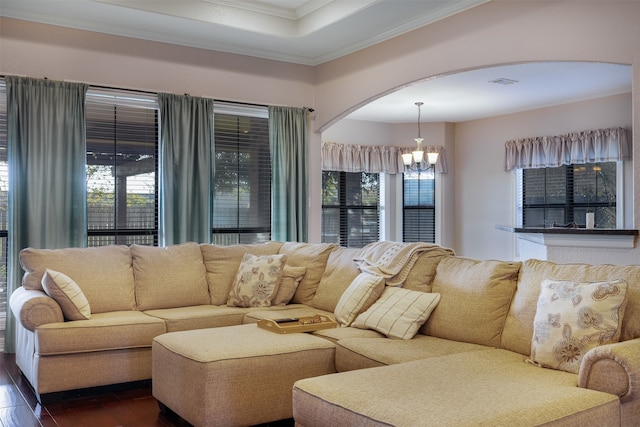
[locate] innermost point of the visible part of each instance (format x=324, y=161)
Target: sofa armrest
x=34, y=308
x=613, y=368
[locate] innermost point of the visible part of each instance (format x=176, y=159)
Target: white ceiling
x=311, y=32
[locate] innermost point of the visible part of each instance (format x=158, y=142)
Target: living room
x=478, y=193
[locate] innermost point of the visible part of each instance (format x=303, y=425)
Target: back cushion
x=518, y=329
x=338, y=275
x=314, y=257
x=475, y=298
x=104, y=274
x=222, y=262
x=172, y=276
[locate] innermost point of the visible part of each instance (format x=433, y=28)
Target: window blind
x=242, y=175
x=419, y=219
x=563, y=195
x=122, y=165
x=350, y=208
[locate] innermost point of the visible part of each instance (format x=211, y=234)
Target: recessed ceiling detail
x=307, y=32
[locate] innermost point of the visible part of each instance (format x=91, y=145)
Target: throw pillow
x=67, y=294
x=291, y=278
x=257, y=281
x=572, y=318
x=398, y=313
x=363, y=291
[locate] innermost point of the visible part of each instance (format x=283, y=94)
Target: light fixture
x=415, y=161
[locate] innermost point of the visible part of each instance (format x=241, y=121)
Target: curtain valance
x=371, y=158
x=592, y=146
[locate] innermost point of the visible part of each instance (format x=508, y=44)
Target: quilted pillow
x=398, y=313
x=572, y=318
x=67, y=294
x=291, y=278
x=363, y=291
x=257, y=280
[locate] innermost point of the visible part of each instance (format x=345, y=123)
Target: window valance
x=371, y=158
x=592, y=146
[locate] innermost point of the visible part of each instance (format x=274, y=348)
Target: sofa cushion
x=368, y=352
x=475, y=297
x=572, y=318
x=340, y=271
x=398, y=313
x=222, y=262
x=199, y=316
x=67, y=294
x=289, y=282
x=104, y=273
x=314, y=257
x=104, y=331
x=363, y=291
x=256, y=281
x=518, y=328
x=172, y=276
x=499, y=390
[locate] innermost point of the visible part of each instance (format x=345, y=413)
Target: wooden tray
x=301, y=324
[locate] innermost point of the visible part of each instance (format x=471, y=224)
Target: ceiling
x=311, y=32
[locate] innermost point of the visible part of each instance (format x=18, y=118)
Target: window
x=242, y=181
x=350, y=208
x=563, y=195
x=419, y=203
x=122, y=164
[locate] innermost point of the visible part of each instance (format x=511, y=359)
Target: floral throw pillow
x=572, y=318
x=257, y=280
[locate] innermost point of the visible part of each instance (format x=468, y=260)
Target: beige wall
x=494, y=33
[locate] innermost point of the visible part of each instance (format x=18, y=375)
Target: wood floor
x=135, y=407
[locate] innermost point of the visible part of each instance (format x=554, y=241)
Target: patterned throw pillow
x=398, y=313
x=257, y=280
x=572, y=318
x=363, y=291
x=291, y=278
x=67, y=294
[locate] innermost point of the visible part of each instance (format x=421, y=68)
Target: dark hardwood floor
x=134, y=407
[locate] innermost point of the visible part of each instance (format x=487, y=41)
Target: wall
x=486, y=192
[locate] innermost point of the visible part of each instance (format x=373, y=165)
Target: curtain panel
x=592, y=146
x=45, y=133
x=289, y=159
x=371, y=158
x=186, y=169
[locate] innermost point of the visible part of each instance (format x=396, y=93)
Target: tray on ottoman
x=298, y=324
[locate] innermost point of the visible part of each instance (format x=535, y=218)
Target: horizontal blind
x=563, y=195
x=419, y=220
x=242, y=169
x=122, y=162
x=350, y=208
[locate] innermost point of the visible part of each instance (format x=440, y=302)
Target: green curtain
x=46, y=156
x=186, y=147
x=289, y=158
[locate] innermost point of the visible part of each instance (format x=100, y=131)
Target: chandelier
x=415, y=161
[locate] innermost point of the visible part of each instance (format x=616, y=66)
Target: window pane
x=419, y=223
x=563, y=195
x=4, y=193
x=122, y=143
x=242, y=181
x=350, y=208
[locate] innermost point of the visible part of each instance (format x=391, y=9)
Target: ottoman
x=236, y=375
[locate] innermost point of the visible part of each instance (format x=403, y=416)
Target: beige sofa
x=139, y=292
x=467, y=365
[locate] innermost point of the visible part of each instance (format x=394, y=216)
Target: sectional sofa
x=491, y=343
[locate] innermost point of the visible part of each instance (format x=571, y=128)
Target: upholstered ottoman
x=236, y=375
